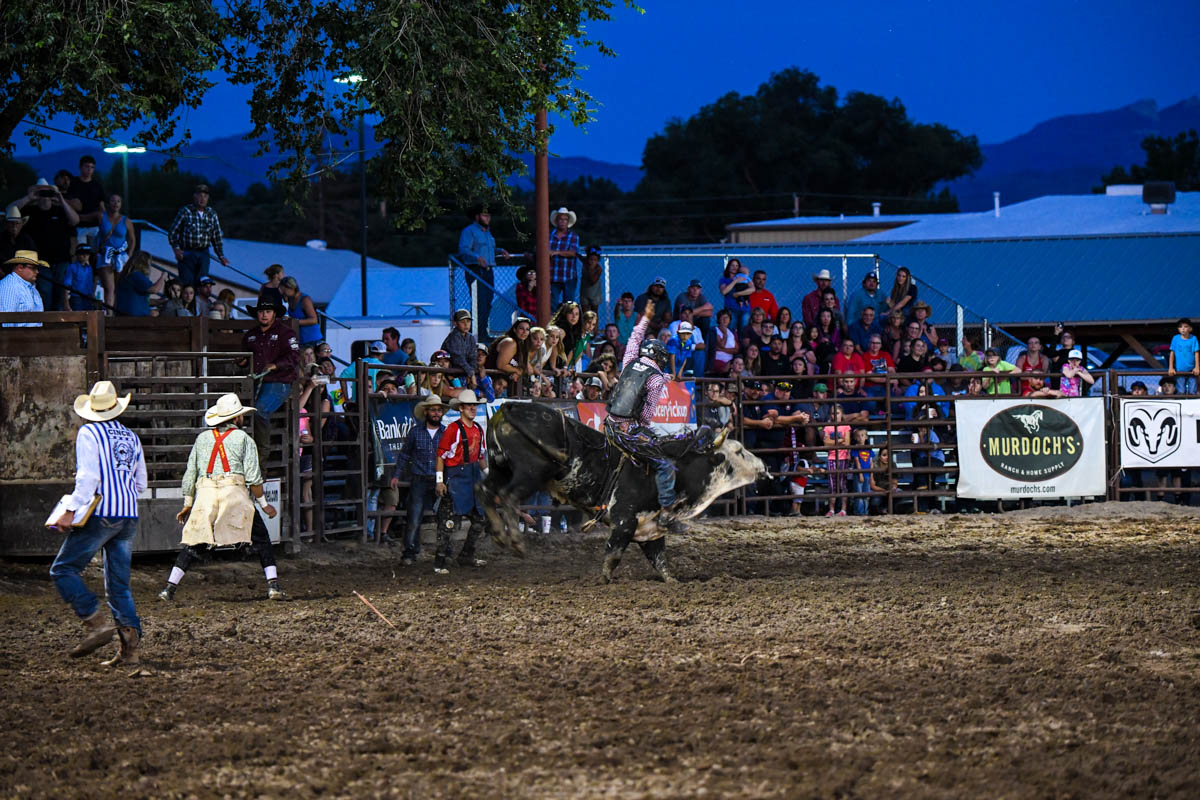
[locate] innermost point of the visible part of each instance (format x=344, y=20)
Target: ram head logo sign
x=1152, y=429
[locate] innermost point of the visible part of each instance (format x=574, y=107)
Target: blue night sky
x=989, y=68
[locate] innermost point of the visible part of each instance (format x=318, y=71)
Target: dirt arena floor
x=1049, y=653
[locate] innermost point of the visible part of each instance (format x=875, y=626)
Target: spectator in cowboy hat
x=110, y=473
x=276, y=358
x=18, y=289
x=217, y=508
x=813, y=302
x=14, y=237
x=564, y=257
x=460, y=343
x=461, y=458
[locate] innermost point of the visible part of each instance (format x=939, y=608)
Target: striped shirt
x=108, y=461
x=656, y=384
x=562, y=268
x=18, y=294
x=196, y=229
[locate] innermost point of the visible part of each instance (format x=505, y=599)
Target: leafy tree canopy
x=454, y=85
x=1175, y=159
x=793, y=135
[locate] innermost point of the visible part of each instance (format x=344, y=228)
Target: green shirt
x=239, y=449
x=1000, y=386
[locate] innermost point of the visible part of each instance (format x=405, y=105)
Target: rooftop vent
x=1158, y=195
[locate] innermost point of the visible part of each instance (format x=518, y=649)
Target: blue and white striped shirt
x=108, y=460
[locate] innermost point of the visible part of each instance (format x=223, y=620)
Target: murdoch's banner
x=1030, y=448
x=1160, y=433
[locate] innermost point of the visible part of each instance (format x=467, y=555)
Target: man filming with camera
x=51, y=220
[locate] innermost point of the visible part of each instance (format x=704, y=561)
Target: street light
x=362, y=172
x=124, y=150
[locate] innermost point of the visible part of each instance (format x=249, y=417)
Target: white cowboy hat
x=101, y=403
x=564, y=210
x=432, y=400
x=229, y=406
x=13, y=214
x=466, y=397
x=823, y=275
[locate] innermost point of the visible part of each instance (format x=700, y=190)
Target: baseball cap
x=1076, y=353
x=694, y=282
x=685, y=327
x=1137, y=385
x=594, y=381
x=201, y=187
x=439, y=354
x=462, y=313
x=385, y=381
x=753, y=385
x=483, y=348
x=871, y=276
x=784, y=385
x=820, y=387
x=659, y=281
x=207, y=279
x=593, y=250
x=378, y=347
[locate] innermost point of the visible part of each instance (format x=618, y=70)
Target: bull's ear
x=716, y=458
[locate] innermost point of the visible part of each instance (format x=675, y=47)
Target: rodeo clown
x=639, y=389
x=461, y=459
x=216, y=506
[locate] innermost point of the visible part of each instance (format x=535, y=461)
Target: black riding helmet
x=656, y=351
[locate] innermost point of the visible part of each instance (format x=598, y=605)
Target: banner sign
x=1160, y=433
x=1030, y=448
x=676, y=410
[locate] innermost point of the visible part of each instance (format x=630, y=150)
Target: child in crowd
x=1182, y=359
x=837, y=438
x=1075, y=374
x=81, y=280
x=861, y=463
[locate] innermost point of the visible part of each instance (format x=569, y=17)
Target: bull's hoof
x=610, y=566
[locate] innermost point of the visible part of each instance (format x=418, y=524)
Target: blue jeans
x=664, y=479
x=115, y=536
x=860, y=483
x=1185, y=383
x=270, y=397
x=561, y=292
x=421, y=496
x=193, y=266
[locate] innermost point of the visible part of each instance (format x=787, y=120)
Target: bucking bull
x=532, y=448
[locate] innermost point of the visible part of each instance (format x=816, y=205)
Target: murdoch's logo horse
x=1152, y=429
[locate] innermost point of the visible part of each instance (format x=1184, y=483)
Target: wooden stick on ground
x=376, y=610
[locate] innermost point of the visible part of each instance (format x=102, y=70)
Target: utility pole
x=541, y=215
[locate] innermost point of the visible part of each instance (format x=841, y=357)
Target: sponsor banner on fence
x=1160, y=433
x=1030, y=448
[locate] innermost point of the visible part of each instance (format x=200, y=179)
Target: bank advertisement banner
x=1030, y=448
x=1160, y=433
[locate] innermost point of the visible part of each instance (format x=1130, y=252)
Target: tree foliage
x=1175, y=159
x=792, y=135
x=113, y=64
x=455, y=86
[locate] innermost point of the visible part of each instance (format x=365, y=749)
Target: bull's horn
x=720, y=440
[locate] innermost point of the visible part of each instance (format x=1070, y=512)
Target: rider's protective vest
x=629, y=395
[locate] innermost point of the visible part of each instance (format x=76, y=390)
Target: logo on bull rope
x=1152, y=428
x=1031, y=443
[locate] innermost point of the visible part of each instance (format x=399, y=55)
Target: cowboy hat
x=229, y=406
x=13, y=214
x=27, y=257
x=432, y=400
x=466, y=397
x=921, y=304
x=101, y=403
x=266, y=302
x=564, y=210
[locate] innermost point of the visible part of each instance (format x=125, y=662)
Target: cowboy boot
x=99, y=629
x=127, y=650
x=274, y=592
